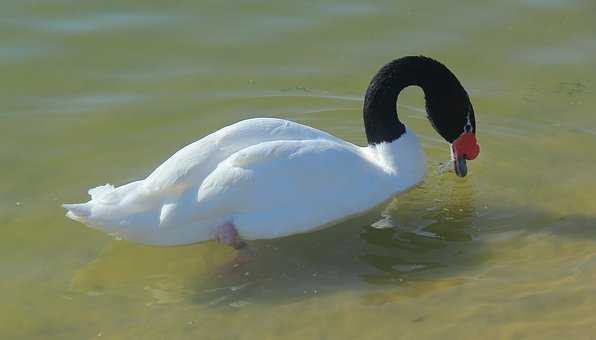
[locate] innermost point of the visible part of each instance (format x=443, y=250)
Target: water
x=105, y=91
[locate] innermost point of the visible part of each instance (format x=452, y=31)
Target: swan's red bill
x=464, y=148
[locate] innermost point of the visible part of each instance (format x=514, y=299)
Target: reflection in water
x=429, y=236
x=432, y=238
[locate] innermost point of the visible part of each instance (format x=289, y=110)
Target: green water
x=98, y=91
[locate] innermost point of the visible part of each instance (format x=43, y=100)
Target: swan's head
x=464, y=148
x=454, y=120
x=451, y=114
x=460, y=132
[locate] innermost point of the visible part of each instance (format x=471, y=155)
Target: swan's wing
x=164, y=194
x=285, y=187
x=191, y=164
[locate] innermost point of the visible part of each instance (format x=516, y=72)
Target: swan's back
x=191, y=164
x=162, y=205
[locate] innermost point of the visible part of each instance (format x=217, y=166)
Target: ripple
x=98, y=22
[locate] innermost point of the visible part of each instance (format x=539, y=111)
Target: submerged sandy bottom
x=96, y=93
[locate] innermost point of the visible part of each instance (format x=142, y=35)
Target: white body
x=269, y=177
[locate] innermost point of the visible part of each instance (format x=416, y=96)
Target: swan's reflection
x=427, y=233
x=424, y=229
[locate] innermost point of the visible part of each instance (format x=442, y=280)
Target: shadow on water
x=422, y=241
x=404, y=241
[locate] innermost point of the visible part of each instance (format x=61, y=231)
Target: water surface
x=93, y=92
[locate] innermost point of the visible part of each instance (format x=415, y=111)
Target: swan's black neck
x=447, y=104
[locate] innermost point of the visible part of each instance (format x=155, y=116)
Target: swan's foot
x=228, y=235
x=245, y=255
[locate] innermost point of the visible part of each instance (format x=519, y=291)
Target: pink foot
x=228, y=235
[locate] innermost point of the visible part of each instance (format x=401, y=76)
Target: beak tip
x=461, y=168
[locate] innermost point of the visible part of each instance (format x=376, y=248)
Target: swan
x=266, y=178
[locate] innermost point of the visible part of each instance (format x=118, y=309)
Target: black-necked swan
x=265, y=178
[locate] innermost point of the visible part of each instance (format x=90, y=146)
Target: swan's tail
x=78, y=212
x=87, y=213
x=139, y=214
x=109, y=209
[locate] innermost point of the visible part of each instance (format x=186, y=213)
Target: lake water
x=103, y=91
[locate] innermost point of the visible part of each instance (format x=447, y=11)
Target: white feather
x=270, y=177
